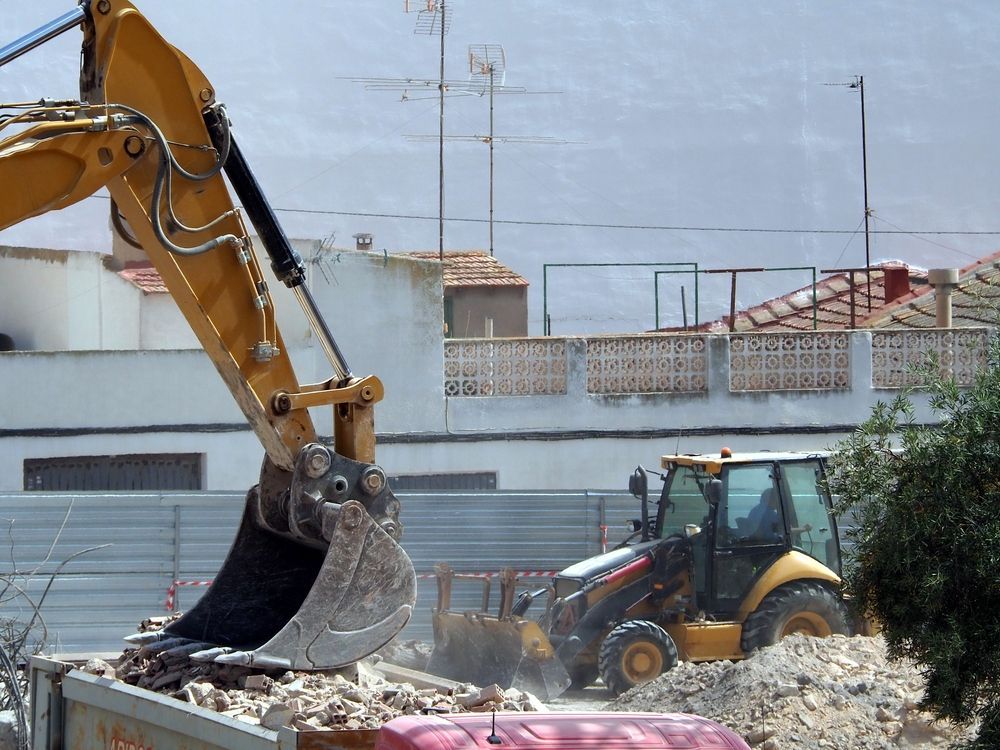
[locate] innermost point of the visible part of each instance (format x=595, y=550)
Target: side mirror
x=713, y=493
x=638, y=483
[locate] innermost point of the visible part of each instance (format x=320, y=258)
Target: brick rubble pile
x=358, y=698
x=804, y=693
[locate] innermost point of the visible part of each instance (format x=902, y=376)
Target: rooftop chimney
x=896, y=281
x=944, y=281
x=363, y=241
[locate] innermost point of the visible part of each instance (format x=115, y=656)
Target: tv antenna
x=487, y=77
x=433, y=19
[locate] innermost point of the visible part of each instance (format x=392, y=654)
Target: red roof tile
x=794, y=311
x=145, y=277
x=974, y=301
x=472, y=268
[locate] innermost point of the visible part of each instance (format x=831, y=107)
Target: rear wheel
x=803, y=607
x=635, y=652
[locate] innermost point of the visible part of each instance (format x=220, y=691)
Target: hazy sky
x=712, y=114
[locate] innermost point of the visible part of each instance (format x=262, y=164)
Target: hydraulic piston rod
x=42, y=34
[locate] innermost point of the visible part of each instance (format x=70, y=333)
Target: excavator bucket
x=483, y=648
x=279, y=602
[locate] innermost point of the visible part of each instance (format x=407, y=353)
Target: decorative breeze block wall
x=898, y=356
x=505, y=367
x=647, y=364
x=789, y=361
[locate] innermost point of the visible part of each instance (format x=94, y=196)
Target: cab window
x=685, y=501
x=750, y=512
x=809, y=521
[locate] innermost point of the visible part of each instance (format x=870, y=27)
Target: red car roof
x=558, y=731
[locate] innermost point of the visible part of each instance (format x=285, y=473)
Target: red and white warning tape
x=172, y=589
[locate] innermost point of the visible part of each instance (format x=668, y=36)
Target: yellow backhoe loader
x=316, y=578
x=740, y=550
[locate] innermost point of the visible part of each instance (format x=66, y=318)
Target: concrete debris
x=805, y=693
x=411, y=654
x=99, y=667
x=359, y=698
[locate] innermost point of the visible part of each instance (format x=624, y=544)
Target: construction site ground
x=802, y=693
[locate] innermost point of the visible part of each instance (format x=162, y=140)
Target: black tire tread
x=759, y=627
x=609, y=656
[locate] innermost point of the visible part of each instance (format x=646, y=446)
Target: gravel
x=804, y=693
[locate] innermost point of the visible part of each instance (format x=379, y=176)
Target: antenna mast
x=486, y=62
x=487, y=77
x=432, y=19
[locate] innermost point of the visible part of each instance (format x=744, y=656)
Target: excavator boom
x=316, y=578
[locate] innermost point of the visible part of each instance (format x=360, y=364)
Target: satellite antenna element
x=487, y=77
x=433, y=19
x=487, y=62
x=487, y=73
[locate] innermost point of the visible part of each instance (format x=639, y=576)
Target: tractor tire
x=804, y=607
x=583, y=675
x=634, y=652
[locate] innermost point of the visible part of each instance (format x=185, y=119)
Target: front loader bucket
x=280, y=603
x=479, y=648
x=484, y=649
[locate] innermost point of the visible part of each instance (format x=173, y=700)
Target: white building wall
x=96, y=403
x=33, y=304
x=140, y=396
x=54, y=300
x=386, y=313
x=161, y=324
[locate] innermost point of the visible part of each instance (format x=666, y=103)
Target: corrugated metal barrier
x=92, y=595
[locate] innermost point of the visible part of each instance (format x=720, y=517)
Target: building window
x=474, y=480
x=143, y=471
x=449, y=318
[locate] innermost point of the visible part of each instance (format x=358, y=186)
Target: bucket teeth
x=185, y=650
x=163, y=645
x=281, y=603
x=210, y=654
x=253, y=659
x=241, y=658
x=142, y=639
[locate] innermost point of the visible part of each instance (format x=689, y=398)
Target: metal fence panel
x=157, y=538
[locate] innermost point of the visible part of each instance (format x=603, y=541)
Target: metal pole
x=732, y=304
x=545, y=299
x=696, y=306
x=854, y=323
x=656, y=300
x=864, y=168
x=546, y=266
x=684, y=309
x=43, y=34
x=491, y=160
x=814, y=300
x=441, y=143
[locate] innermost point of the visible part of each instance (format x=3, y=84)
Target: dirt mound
x=804, y=693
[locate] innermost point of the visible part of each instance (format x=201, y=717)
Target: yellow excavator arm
x=315, y=578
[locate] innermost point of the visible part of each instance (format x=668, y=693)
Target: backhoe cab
x=739, y=551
